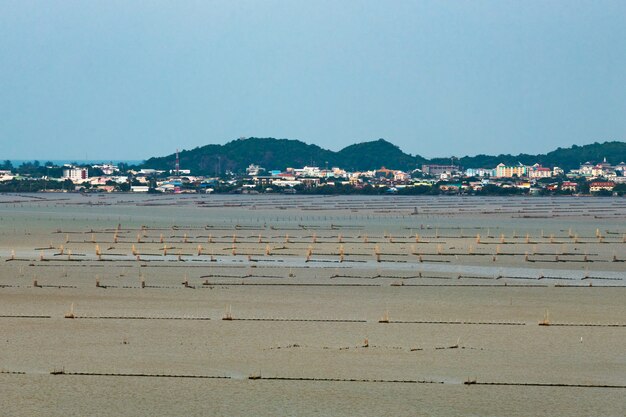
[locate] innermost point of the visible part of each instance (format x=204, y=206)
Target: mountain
x=376, y=154
x=279, y=154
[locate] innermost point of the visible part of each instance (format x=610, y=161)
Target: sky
x=134, y=79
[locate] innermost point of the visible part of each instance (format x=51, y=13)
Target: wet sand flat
x=335, y=305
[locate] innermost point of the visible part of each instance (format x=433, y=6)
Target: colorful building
x=504, y=171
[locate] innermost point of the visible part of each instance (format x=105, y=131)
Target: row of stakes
x=186, y=284
x=309, y=253
x=385, y=319
x=340, y=238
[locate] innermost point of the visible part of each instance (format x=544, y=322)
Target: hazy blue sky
x=133, y=79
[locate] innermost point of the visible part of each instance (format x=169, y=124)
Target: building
x=400, y=176
x=148, y=171
x=6, y=175
x=310, y=181
x=537, y=171
x=338, y=173
x=477, y=172
x=433, y=169
x=585, y=169
x=308, y=172
x=504, y=171
x=263, y=180
x=601, y=186
x=450, y=187
x=107, y=169
x=569, y=186
x=180, y=172
x=75, y=173
x=254, y=170
x=602, y=169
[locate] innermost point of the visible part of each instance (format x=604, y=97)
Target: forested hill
x=279, y=154
x=566, y=158
x=272, y=153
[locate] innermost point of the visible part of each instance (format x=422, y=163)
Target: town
x=591, y=178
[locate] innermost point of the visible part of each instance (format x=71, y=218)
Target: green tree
x=620, y=189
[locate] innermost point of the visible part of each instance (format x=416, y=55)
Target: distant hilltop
x=278, y=154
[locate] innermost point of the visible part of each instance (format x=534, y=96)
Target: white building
x=254, y=170
x=107, y=169
x=477, y=172
x=6, y=175
x=308, y=172
x=537, y=171
x=76, y=173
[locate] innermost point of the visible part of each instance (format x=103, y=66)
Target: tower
x=177, y=166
